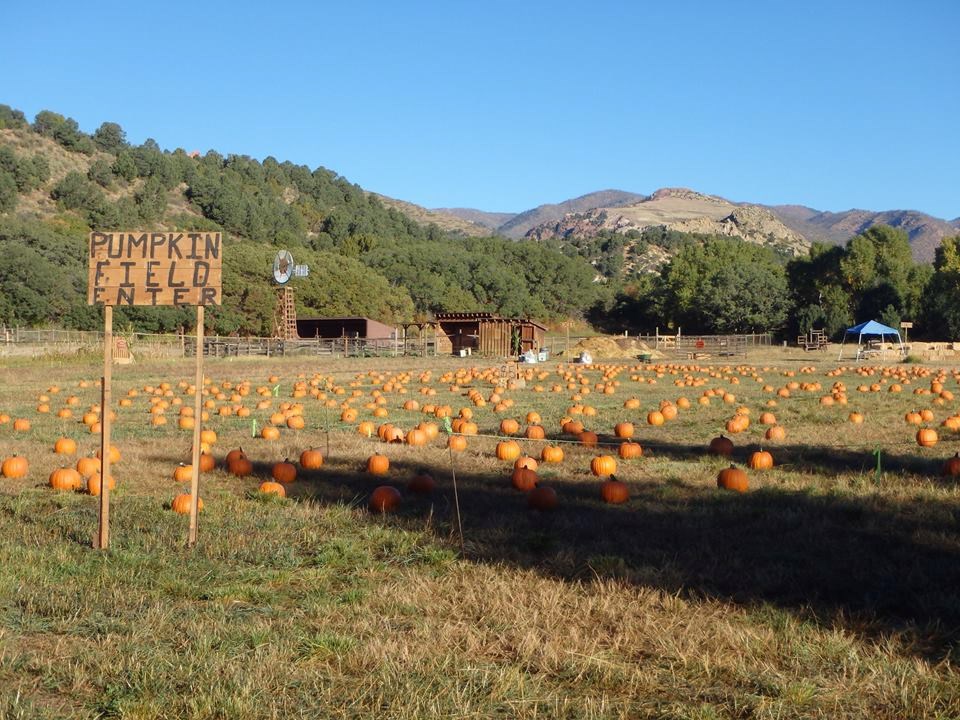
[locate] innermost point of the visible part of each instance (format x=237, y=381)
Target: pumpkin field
x=770, y=538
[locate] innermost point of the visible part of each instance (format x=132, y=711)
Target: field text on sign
x=155, y=268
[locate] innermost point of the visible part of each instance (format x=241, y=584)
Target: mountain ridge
x=836, y=228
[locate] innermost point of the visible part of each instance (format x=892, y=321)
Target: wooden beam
x=102, y=541
x=197, y=425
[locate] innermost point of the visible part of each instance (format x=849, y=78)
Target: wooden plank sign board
x=155, y=268
x=152, y=268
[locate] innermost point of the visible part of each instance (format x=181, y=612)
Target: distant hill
x=444, y=219
x=520, y=224
x=679, y=210
x=925, y=231
x=517, y=225
x=669, y=207
x=490, y=220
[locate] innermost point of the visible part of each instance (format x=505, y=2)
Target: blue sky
x=506, y=105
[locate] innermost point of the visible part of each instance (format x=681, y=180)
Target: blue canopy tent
x=870, y=327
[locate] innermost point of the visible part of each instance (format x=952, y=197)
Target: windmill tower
x=285, y=316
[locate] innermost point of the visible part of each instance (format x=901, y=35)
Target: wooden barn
x=344, y=327
x=486, y=333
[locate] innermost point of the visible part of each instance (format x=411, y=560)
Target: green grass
x=819, y=593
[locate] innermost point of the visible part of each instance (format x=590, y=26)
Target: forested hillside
x=367, y=258
x=57, y=182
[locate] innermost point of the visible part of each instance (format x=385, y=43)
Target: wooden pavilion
x=486, y=333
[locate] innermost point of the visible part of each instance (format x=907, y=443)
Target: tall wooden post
x=197, y=425
x=103, y=535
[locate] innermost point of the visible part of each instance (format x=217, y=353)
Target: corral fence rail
x=681, y=345
x=56, y=340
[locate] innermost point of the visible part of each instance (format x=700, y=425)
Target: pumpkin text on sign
x=155, y=268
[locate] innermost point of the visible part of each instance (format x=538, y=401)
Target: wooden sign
x=508, y=372
x=906, y=325
x=151, y=268
x=155, y=268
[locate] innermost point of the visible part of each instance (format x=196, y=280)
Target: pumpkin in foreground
x=542, y=498
x=733, y=478
x=384, y=499
x=181, y=504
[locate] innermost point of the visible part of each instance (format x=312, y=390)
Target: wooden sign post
x=103, y=532
x=155, y=269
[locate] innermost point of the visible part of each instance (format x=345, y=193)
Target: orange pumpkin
x=457, y=443
x=94, y=484
x=422, y=483
x=655, y=417
x=535, y=432
x=509, y=426
x=603, y=465
x=65, y=479
x=21, y=425
x=526, y=462
x=721, y=445
x=508, y=450
x=87, y=466
x=733, y=478
x=114, y=454
x=589, y=439
x=542, y=498
x=14, y=467
x=207, y=462
x=378, y=465
x=311, y=459
x=951, y=468
x=524, y=479
x=775, y=432
x=552, y=454
x=270, y=432
x=181, y=504
x=183, y=473
x=284, y=472
x=241, y=466
x=65, y=446
x=927, y=437
x=614, y=491
x=416, y=437
x=623, y=430
x=760, y=460
x=630, y=450
x=384, y=499
x=269, y=487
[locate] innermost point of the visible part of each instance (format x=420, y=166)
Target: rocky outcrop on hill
x=684, y=211
x=753, y=224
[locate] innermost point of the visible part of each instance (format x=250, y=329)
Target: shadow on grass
x=870, y=564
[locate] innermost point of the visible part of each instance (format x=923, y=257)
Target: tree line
x=716, y=284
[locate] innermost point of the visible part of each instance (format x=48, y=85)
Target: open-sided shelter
x=868, y=329
x=349, y=327
x=486, y=333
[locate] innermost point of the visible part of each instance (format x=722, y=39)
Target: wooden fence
x=22, y=341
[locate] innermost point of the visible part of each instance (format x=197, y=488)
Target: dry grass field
x=830, y=589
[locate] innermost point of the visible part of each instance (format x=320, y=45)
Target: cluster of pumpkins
x=370, y=391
